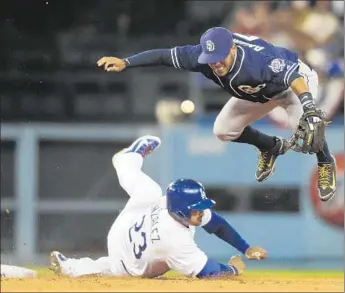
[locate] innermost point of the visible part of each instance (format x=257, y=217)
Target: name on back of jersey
x=154, y=234
x=253, y=46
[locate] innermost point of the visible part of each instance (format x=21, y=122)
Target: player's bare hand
x=256, y=252
x=112, y=64
x=238, y=263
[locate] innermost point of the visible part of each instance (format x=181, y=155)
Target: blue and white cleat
x=55, y=262
x=144, y=145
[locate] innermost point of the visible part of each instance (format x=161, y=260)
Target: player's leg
x=73, y=267
x=233, y=124
x=142, y=189
x=326, y=162
x=8, y=271
x=143, y=193
x=279, y=117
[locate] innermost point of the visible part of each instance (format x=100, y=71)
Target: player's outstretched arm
x=185, y=257
x=148, y=58
x=220, y=227
x=184, y=57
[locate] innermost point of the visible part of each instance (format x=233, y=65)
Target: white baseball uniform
x=9, y=271
x=144, y=240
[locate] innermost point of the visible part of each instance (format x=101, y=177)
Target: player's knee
x=229, y=137
x=114, y=160
x=224, y=133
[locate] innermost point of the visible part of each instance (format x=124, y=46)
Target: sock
x=254, y=137
x=324, y=156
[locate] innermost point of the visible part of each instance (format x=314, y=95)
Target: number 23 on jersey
x=138, y=238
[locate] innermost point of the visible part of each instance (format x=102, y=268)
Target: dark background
x=50, y=48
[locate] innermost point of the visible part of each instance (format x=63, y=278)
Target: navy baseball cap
x=216, y=44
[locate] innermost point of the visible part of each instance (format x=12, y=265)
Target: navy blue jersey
x=260, y=71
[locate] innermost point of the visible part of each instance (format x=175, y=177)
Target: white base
x=8, y=271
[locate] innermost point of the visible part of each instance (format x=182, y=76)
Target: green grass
x=45, y=272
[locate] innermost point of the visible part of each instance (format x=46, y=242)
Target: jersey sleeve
x=182, y=57
x=186, y=57
x=220, y=227
x=186, y=257
x=281, y=71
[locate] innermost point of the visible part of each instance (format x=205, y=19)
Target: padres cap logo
x=209, y=45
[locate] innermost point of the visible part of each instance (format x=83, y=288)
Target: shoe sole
x=327, y=197
x=147, y=137
x=124, y=150
x=332, y=194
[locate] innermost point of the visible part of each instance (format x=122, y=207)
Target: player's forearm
x=150, y=58
x=301, y=89
x=221, y=228
x=213, y=269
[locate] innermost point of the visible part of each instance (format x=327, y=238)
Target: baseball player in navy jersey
x=154, y=233
x=255, y=73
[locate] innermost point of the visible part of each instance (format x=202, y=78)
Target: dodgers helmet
x=184, y=195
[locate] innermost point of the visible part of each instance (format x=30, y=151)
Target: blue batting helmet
x=184, y=195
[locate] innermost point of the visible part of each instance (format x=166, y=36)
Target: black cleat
x=327, y=178
x=267, y=159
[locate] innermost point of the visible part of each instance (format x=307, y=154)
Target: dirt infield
x=267, y=282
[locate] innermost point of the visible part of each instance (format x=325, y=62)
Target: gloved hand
x=238, y=263
x=256, y=252
x=310, y=135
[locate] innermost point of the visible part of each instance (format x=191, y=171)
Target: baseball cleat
x=55, y=262
x=144, y=145
x=267, y=159
x=327, y=178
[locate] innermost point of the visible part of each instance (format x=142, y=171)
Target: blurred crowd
x=45, y=41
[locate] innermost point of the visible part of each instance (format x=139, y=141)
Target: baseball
x=187, y=107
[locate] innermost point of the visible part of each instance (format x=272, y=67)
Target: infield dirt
x=267, y=282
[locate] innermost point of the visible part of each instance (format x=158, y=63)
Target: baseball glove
x=238, y=263
x=310, y=134
x=256, y=253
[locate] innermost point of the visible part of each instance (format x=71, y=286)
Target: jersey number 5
x=138, y=249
